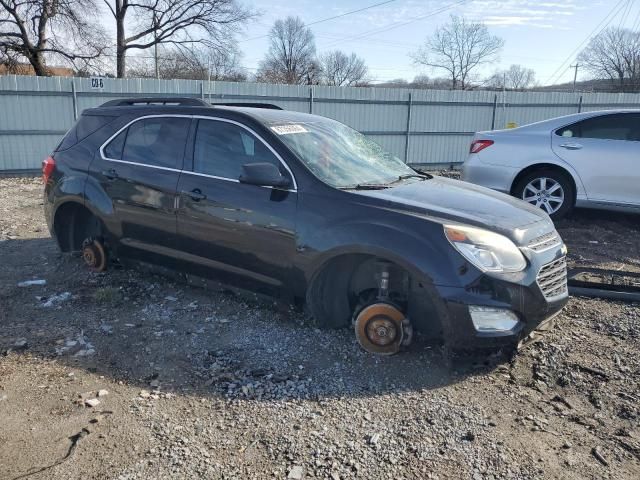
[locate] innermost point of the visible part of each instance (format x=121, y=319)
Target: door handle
x=111, y=174
x=571, y=146
x=195, y=194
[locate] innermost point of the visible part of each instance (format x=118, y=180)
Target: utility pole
x=155, y=44
x=575, y=75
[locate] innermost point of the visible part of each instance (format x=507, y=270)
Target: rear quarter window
x=85, y=126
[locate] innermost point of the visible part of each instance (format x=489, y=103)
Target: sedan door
x=139, y=169
x=605, y=151
x=243, y=234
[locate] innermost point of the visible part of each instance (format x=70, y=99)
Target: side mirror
x=263, y=174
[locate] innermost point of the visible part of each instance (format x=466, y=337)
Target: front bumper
x=524, y=297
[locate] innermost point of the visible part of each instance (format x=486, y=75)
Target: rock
x=154, y=384
x=296, y=473
x=144, y=394
x=374, y=439
x=567, y=445
x=599, y=454
x=92, y=402
x=103, y=393
x=20, y=343
x=3, y=397
x=170, y=298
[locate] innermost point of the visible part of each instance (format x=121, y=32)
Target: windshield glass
x=340, y=156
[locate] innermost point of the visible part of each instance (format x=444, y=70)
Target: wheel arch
x=332, y=303
x=73, y=222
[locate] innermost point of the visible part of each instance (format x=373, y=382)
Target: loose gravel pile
x=134, y=375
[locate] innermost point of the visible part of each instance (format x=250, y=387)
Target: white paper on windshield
x=288, y=129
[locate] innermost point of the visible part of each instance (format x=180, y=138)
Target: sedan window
x=620, y=126
x=222, y=148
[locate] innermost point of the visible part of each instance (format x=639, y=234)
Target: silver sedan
x=584, y=160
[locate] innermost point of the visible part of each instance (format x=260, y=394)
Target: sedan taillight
x=48, y=165
x=479, y=145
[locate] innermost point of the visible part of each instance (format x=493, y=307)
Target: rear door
x=138, y=169
x=245, y=234
x=605, y=151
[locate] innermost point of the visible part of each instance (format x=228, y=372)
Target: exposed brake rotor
x=94, y=255
x=382, y=328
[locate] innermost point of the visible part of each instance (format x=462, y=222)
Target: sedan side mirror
x=264, y=174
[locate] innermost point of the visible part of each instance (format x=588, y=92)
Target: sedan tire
x=548, y=189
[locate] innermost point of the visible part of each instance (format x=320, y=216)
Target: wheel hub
x=545, y=193
x=380, y=328
x=94, y=255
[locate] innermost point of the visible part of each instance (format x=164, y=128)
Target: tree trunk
x=121, y=46
x=36, y=59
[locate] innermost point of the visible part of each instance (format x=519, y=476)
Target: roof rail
x=269, y=106
x=136, y=101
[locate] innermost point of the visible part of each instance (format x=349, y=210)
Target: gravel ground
x=132, y=375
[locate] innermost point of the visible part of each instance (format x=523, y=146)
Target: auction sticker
x=287, y=129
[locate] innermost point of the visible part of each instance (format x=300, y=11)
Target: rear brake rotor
x=379, y=328
x=94, y=255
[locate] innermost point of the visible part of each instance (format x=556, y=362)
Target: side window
x=114, y=147
x=159, y=142
x=619, y=126
x=221, y=148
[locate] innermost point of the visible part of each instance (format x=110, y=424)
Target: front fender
x=422, y=250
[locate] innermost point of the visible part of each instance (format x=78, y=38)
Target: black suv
x=306, y=209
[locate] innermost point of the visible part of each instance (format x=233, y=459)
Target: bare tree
x=342, y=70
x=459, y=47
x=291, y=57
x=516, y=77
x=64, y=30
x=615, y=55
x=189, y=64
x=212, y=23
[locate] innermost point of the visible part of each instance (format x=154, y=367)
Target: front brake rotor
x=94, y=255
x=379, y=328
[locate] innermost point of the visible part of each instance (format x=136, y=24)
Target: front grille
x=552, y=278
x=543, y=242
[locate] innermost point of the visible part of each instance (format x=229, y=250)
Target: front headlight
x=489, y=251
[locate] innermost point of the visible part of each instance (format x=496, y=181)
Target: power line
x=399, y=24
x=330, y=18
x=601, y=26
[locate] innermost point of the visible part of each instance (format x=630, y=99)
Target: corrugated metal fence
x=419, y=126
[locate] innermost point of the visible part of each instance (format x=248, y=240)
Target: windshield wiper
x=365, y=186
x=414, y=175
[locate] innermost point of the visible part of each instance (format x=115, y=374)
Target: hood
x=455, y=201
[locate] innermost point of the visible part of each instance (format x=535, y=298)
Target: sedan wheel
x=545, y=193
x=548, y=189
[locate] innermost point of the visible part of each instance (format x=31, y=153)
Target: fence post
x=493, y=115
x=408, y=131
x=202, y=89
x=580, y=105
x=74, y=99
x=310, y=99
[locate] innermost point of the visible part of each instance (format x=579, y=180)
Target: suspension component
x=94, y=254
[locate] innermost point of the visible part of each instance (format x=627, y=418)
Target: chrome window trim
x=199, y=117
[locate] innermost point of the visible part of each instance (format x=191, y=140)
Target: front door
x=139, y=170
x=243, y=234
x=605, y=151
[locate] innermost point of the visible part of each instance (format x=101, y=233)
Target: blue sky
x=543, y=35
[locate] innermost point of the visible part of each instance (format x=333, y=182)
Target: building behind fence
x=419, y=126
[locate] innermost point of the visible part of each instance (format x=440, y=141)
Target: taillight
x=48, y=165
x=479, y=145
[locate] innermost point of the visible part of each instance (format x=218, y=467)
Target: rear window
x=85, y=126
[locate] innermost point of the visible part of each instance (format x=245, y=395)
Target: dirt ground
x=132, y=375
